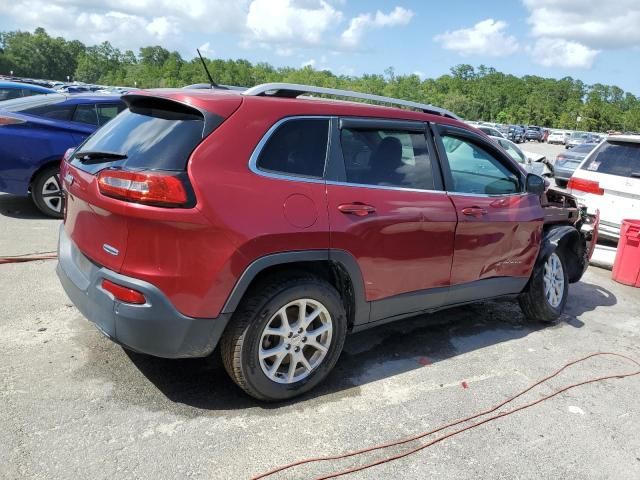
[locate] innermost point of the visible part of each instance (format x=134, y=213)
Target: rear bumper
x=562, y=173
x=155, y=328
x=609, y=231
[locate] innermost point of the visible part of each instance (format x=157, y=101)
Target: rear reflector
x=10, y=121
x=143, y=187
x=124, y=294
x=587, y=186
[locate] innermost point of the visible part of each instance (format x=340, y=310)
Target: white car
x=532, y=162
x=608, y=179
x=558, y=136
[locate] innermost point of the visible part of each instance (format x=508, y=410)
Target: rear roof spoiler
x=174, y=109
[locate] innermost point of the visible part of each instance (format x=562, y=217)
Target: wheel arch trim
x=551, y=239
x=343, y=258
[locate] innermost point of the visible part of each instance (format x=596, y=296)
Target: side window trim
x=439, y=129
x=255, y=155
x=335, y=172
x=382, y=124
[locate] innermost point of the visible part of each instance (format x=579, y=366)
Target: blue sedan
x=36, y=131
x=10, y=90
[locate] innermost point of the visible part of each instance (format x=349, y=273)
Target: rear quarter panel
x=25, y=148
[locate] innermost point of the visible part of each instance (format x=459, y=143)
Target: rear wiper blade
x=86, y=157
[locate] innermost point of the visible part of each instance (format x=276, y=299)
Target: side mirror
x=535, y=184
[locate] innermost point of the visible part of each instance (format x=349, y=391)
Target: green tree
x=474, y=93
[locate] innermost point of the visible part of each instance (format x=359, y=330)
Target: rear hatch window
x=153, y=134
x=616, y=158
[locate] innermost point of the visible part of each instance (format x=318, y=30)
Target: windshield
x=584, y=148
x=577, y=135
x=25, y=103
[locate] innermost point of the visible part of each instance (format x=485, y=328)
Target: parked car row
x=35, y=132
x=11, y=90
x=523, y=133
x=49, y=86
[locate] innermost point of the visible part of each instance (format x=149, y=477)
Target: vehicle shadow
x=371, y=355
x=15, y=206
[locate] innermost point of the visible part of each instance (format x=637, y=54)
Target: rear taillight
x=68, y=153
x=152, y=188
x=10, y=121
x=124, y=294
x=587, y=186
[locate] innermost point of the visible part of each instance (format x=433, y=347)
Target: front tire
x=46, y=192
x=285, y=338
x=546, y=296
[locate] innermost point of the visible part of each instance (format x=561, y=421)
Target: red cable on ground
x=457, y=422
x=28, y=258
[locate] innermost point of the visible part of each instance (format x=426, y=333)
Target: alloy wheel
x=295, y=341
x=51, y=193
x=553, y=280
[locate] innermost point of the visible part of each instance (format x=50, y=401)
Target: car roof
x=206, y=98
x=623, y=138
x=20, y=104
x=28, y=86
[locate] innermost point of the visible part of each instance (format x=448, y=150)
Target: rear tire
x=546, y=296
x=268, y=334
x=46, y=192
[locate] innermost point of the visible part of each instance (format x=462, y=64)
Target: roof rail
x=293, y=90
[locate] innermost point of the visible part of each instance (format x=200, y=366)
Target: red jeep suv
x=273, y=223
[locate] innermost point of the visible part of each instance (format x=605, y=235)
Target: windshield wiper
x=91, y=157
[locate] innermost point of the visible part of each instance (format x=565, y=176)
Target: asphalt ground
x=74, y=405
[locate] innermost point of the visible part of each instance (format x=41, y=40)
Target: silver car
x=532, y=163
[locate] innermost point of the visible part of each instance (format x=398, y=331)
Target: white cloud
x=283, y=51
x=360, y=24
x=206, y=50
x=126, y=23
x=285, y=27
x=487, y=37
x=556, y=52
x=309, y=63
x=283, y=21
x=594, y=23
x=571, y=33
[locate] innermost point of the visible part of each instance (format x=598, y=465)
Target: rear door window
x=107, y=112
x=392, y=158
x=152, y=133
x=57, y=112
x=298, y=147
x=616, y=158
x=86, y=114
x=9, y=93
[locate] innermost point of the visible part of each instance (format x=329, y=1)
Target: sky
x=597, y=41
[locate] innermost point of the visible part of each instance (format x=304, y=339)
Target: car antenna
x=204, y=65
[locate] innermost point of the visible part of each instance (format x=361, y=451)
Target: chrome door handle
x=355, y=208
x=474, y=211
